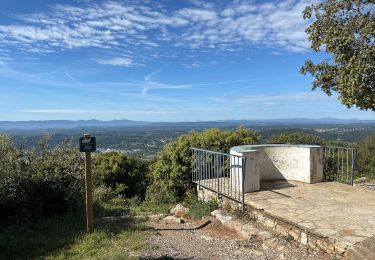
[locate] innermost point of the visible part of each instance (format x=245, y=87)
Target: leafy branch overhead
x=345, y=30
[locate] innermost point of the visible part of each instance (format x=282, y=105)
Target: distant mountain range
x=70, y=124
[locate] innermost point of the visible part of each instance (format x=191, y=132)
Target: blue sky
x=158, y=61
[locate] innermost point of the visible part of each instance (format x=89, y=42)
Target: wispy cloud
x=127, y=62
x=151, y=76
x=131, y=27
x=73, y=79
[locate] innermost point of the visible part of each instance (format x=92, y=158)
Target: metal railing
x=222, y=173
x=339, y=164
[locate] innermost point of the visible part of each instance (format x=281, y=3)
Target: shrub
x=125, y=175
x=170, y=173
x=158, y=193
x=295, y=138
x=39, y=184
x=103, y=194
x=366, y=158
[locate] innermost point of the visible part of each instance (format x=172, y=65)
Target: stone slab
x=342, y=213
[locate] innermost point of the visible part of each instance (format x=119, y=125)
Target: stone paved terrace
x=342, y=213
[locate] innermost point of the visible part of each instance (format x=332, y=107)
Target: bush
x=295, y=138
x=366, y=158
x=103, y=194
x=125, y=175
x=170, y=173
x=158, y=193
x=39, y=184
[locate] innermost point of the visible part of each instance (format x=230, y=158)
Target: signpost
x=87, y=144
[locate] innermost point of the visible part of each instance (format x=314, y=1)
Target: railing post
x=217, y=176
x=243, y=182
x=199, y=169
x=353, y=162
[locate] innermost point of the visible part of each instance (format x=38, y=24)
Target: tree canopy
x=345, y=30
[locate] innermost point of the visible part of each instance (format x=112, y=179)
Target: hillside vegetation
x=42, y=190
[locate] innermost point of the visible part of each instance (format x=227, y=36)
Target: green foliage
x=159, y=192
x=198, y=208
x=170, y=173
x=295, y=138
x=103, y=194
x=366, y=158
x=345, y=29
x=125, y=175
x=36, y=184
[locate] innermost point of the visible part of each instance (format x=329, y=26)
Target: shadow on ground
x=40, y=239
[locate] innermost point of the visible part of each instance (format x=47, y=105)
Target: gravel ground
x=215, y=241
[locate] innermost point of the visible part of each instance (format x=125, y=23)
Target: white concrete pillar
x=251, y=174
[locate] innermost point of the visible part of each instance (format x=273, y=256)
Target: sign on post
x=87, y=144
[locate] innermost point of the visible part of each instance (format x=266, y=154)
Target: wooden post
x=88, y=183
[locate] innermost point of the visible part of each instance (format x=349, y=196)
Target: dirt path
x=215, y=241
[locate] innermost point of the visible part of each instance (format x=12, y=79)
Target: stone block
x=303, y=238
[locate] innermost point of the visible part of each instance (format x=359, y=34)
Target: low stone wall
x=280, y=162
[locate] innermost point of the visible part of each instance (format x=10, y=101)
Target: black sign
x=87, y=144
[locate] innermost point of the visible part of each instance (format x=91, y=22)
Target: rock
x=293, y=234
x=221, y=216
x=270, y=223
x=339, y=249
x=172, y=220
x=303, y=238
x=248, y=231
x=283, y=230
x=179, y=210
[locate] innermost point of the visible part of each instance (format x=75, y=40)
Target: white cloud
x=120, y=61
x=203, y=25
x=196, y=15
